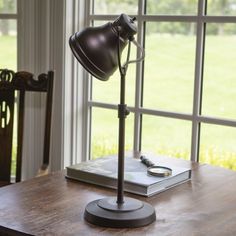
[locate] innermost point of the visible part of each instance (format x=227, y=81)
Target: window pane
x=109, y=91
x=166, y=136
x=8, y=36
x=7, y=6
x=169, y=66
x=115, y=7
x=221, y=7
x=14, y=145
x=104, y=133
x=218, y=145
x=219, y=94
x=172, y=7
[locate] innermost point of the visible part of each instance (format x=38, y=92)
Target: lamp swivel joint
x=122, y=111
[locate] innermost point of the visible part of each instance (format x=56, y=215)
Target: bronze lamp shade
x=96, y=47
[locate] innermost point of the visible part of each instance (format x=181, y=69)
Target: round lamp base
x=107, y=213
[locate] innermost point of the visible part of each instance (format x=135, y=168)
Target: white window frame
x=195, y=117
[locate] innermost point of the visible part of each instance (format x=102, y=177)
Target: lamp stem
x=122, y=113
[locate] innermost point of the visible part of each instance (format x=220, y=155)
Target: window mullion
x=87, y=113
x=199, y=61
x=138, y=86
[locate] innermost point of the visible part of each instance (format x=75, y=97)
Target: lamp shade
x=96, y=47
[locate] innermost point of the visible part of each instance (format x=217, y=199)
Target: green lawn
x=8, y=59
x=168, y=85
x=8, y=54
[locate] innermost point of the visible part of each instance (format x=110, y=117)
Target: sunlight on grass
x=168, y=85
x=103, y=147
x=210, y=155
x=169, y=72
x=218, y=157
x=8, y=60
x=8, y=52
x=171, y=94
x=104, y=132
x=219, y=77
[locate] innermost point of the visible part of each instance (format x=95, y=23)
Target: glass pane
x=219, y=85
x=8, y=37
x=14, y=145
x=169, y=66
x=109, y=91
x=115, y=7
x=166, y=136
x=218, y=146
x=8, y=6
x=172, y=7
x=104, y=133
x=221, y=7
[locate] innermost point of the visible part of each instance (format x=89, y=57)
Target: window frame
x=201, y=19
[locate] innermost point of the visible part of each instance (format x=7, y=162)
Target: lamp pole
x=122, y=113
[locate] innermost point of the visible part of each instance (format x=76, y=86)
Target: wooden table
x=52, y=205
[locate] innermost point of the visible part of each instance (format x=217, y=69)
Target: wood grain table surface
x=53, y=205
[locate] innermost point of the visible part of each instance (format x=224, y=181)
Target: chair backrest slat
x=6, y=133
x=48, y=118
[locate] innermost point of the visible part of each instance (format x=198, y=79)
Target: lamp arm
x=123, y=68
x=142, y=53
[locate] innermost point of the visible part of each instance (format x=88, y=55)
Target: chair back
x=22, y=82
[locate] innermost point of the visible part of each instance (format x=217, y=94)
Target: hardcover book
x=103, y=172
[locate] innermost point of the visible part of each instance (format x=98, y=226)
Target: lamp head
x=96, y=47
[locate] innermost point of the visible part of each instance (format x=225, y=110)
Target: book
x=103, y=172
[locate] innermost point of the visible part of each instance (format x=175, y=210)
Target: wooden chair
x=21, y=82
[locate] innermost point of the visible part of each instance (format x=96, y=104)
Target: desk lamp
x=98, y=49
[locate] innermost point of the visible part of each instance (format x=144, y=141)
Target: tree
x=223, y=8
x=6, y=6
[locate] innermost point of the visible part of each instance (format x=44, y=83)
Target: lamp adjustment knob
x=127, y=112
x=123, y=111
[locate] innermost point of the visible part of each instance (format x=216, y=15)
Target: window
x=8, y=49
x=182, y=96
x=8, y=34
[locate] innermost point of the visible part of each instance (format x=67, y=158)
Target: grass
x=168, y=85
x=208, y=154
x=8, y=58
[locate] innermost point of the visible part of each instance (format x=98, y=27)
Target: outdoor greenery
x=8, y=52
x=210, y=155
x=7, y=6
x=168, y=81
x=168, y=85
x=164, y=7
x=8, y=55
x=8, y=60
